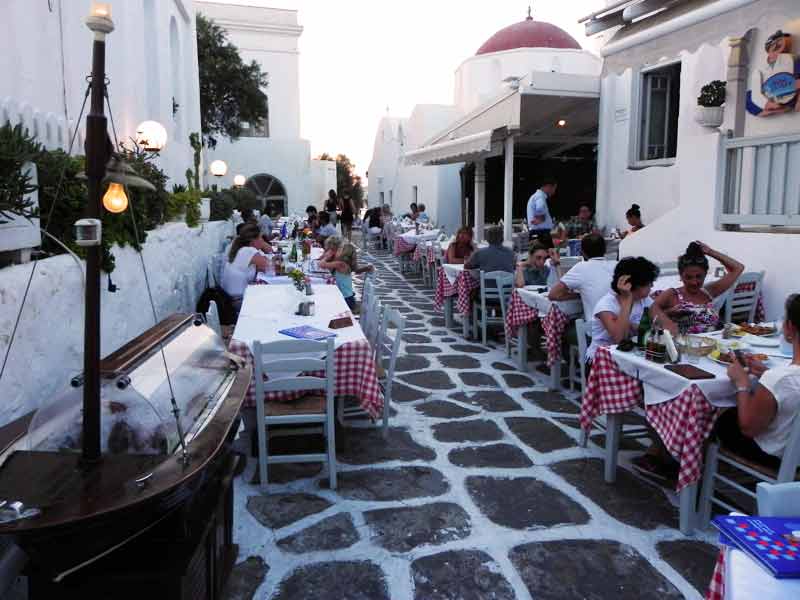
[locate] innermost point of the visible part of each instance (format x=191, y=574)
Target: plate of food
x=726, y=358
x=755, y=329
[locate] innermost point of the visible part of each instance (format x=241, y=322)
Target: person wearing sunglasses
x=694, y=300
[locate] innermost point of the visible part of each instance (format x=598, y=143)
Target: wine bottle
x=644, y=329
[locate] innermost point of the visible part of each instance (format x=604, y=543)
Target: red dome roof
x=529, y=34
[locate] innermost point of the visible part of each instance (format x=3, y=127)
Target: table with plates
x=407, y=242
x=268, y=309
x=680, y=410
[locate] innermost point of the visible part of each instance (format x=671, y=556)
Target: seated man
x=494, y=258
x=590, y=278
x=580, y=225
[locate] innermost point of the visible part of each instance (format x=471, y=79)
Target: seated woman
x=535, y=270
x=616, y=315
x=634, y=218
x=245, y=259
x=694, y=301
x=459, y=251
x=759, y=427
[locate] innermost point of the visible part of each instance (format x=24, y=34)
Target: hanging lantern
x=239, y=180
x=115, y=199
x=151, y=136
x=218, y=168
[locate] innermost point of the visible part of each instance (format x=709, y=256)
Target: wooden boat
x=85, y=512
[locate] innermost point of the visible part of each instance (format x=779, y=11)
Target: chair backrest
x=567, y=262
x=281, y=362
x=743, y=299
x=778, y=499
x=497, y=285
x=212, y=318
x=582, y=332
x=218, y=265
x=372, y=313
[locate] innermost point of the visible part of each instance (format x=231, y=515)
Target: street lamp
x=218, y=168
x=239, y=180
x=151, y=136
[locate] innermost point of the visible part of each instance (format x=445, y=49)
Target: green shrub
x=16, y=149
x=186, y=203
x=712, y=94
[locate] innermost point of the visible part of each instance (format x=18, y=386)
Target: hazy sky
x=358, y=57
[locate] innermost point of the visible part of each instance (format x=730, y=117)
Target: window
x=382, y=199
x=657, y=101
x=258, y=129
x=414, y=194
x=391, y=203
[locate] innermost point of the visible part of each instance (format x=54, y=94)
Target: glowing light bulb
x=115, y=199
x=151, y=136
x=239, y=180
x=562, y=123
x=218, y=168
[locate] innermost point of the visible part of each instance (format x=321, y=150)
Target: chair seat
x=307, y=405
x=760, y=468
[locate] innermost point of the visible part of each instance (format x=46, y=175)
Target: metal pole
x=97, y=155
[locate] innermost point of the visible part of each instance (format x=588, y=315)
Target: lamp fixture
x=151, y=136
x=218, y=168
x=99, y=19
x=239, y=180
x=115, y=200
x=561, y=123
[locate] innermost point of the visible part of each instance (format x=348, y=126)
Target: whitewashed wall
x=384, y=167
x=678, y=201
x=323, y=178
x=48, y=348
x=151, y=57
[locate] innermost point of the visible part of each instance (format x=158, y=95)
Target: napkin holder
x=306, y=309
x=340, y=323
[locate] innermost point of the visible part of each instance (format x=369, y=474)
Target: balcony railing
x=759, y=182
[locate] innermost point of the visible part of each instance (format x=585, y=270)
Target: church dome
x=529, y=34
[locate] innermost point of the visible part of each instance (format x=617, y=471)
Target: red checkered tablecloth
x=682, y=423
x=401, y=246
x=554, y=324
x=444, y=289
x=716, y=589
x=465, y=285
x=355, y=376
x=519, y=314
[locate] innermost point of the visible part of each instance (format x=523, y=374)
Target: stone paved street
x=479, y=491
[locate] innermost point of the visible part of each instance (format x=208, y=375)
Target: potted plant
x=711, y=104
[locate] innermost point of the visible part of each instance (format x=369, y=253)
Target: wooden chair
x=711, y=474
x=284, y=360
x=495, y=293
x=742, y=300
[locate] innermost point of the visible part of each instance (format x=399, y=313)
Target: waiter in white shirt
x=539, y=221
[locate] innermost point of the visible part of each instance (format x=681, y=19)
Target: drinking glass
x=692, y=350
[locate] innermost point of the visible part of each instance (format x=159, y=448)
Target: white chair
x=218, y=265
x=577, y=356
x=283, y=360
x=493, y=296
x=778, y=499
x=367, y=236
x=387, y=349
x=716, y=454
x=372, y=313
x=742, y=299
x=567, y=262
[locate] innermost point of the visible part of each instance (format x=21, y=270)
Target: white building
x=151, y=63
x=508, y=102
x=272, y=156
x=736, y=186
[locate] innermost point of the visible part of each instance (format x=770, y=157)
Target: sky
x=359, y=58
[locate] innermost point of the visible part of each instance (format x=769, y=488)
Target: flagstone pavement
x=478, y=491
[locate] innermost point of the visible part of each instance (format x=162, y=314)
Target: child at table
x=340, y=257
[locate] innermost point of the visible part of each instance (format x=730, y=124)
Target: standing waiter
x=540, y=223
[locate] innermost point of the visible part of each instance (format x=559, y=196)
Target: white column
x=480, y=199
x=508, y=189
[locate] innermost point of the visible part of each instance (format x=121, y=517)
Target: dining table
x=736, y=576
x=407, y=242
x=269, y=309
x=455, y=285
x=682, y=411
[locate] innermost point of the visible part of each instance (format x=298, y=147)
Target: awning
x=465, y=149
x=548, y=114
x=682, y=28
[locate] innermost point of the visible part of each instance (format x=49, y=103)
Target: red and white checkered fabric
x=554, y=325
x=682, y=423
x=444, y=289
x=401, y=246
x=355, y=376
x=519, y=314
x=716, y=589
x=466, y=284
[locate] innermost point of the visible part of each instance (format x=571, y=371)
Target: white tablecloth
x=745, y=580
x=453, y=271
x=267, y=309
x=413, y=238
x=540, y=301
